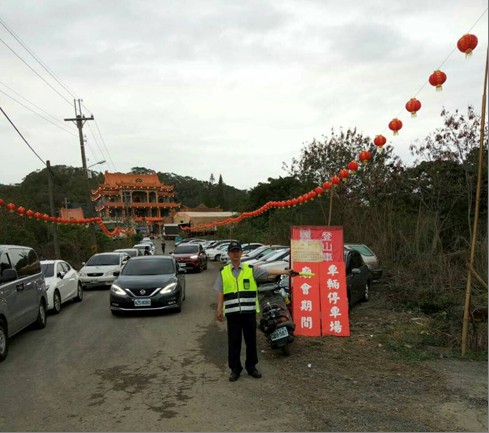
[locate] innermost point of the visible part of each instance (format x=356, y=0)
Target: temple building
x=138, y=198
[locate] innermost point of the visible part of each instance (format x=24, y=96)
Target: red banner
x=319, y=302
x=334, y=299
x=307, y=301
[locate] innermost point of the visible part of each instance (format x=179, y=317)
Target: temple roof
x=121, y=179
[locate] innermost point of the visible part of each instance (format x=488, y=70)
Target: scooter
x=276, y=320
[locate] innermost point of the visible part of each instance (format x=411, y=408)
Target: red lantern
x=353, y=166
x=30, y=213
x=21, y=210
x=365, y=156
x=311, y=195
x=413, y=105
x=11, y=207
x=300, y=200
x=45, y=217
x=344, y=173
x=327, y=185
x=467, y=44
x=1, y=202
x=318, y=191
x=379, y=141
x=37, y=215
x=335, y=180
x=437, y=79
x=395, y=125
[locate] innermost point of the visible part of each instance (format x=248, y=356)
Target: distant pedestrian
x=147, y=251
x=163, y=246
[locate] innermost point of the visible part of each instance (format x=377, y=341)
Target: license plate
x=279, y=333
x=142, y=302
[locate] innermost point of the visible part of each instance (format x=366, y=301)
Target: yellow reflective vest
x=240, y=294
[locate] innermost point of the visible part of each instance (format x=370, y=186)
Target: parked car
x=62, y=283
x=217, y=252
x=147, y=284
x=131, y=252
x=23, y=297
x=193, y=256
x=260, y=252
x=247, y=248
x=99, y=269
x=370, y=259
x=142, y=247
x=283, y=263
x=148, y=241
x=273, y=256
x=358, y=276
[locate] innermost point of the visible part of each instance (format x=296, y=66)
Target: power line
x=32, y=111
x=18, y=132
x=33, y=70
x=45, y=67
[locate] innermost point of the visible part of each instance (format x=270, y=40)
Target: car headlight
x=109, y=274
x=82, y=274
x=168, y=289
x=47, y=286
x=194, y=257
x=116, y=290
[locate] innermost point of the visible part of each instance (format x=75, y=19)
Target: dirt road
x=90, y=371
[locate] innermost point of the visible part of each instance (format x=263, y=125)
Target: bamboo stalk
x=465, y=324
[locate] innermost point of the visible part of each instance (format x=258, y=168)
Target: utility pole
x=80, y=120
x=57, y=253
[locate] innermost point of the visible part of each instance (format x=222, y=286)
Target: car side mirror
x=61, y=275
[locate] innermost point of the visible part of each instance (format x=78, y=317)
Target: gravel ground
x=363, y=387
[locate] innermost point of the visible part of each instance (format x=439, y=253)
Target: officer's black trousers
x=242, y=325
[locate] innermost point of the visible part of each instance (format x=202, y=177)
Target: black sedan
x=358, y=276
x=148, y=283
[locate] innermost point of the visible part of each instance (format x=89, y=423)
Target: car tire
x=79, y=293
x=199, y=268
x=56, y=302
x=3, y=341
x=366, y=292
x=217, y=258
x=42, y=318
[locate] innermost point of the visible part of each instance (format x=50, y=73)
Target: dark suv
x=23, y=298
x=192, y=256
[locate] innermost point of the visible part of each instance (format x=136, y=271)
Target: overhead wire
x=45, y=67
x=23, y=138
x=32, y=111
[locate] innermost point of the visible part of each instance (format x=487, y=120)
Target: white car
x=147, y=241
x=142, y=247
x=100, y=268
x=62, y=283
x=216, y=253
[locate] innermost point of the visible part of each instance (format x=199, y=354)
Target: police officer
x=237, y=297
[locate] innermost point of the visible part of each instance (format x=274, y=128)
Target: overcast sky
x=226, y=87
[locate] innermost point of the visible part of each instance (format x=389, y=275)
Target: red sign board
x=320, y=303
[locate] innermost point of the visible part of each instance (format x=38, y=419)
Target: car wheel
x=365, y=293
x=199, y=267
x=56, y=302
x=79, y=293
x=217, y=258
x=41, y=316
x=3, y=341
x=205, y=265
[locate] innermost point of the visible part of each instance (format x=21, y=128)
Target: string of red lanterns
x=20, y=210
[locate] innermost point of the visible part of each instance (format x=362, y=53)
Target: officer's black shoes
x=254, y=373
x=233, y=377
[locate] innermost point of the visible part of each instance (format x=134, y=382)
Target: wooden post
x=465, y=324
x=330, y=205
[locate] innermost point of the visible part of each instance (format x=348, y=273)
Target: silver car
x=370, y=259
x=23, y=298
x=99, y=269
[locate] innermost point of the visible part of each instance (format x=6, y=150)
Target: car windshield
x=47, y=269
x=275, y=255
x=104, y=260
x=257, y=251
x=186, y=249
x=362, y=249
x=148, y=267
